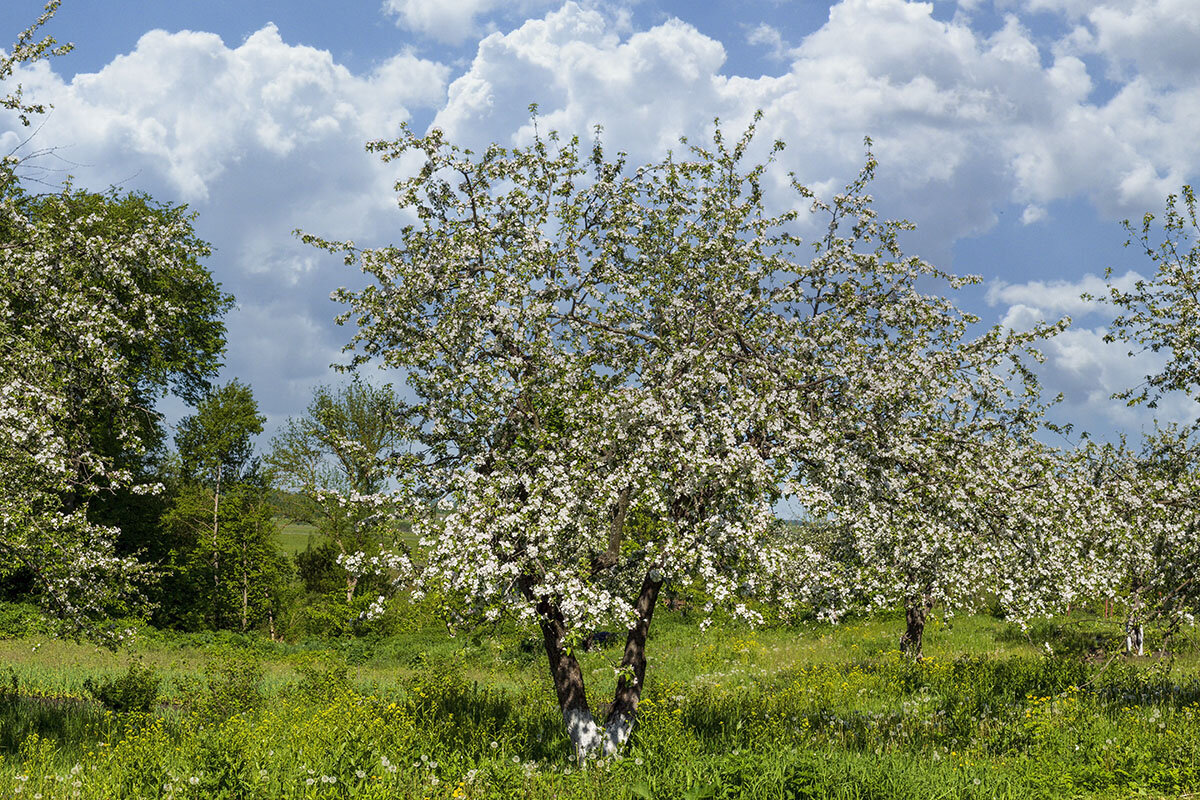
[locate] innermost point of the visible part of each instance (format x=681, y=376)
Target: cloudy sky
x=1015, y=133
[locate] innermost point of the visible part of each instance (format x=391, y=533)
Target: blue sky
x=1015, y=133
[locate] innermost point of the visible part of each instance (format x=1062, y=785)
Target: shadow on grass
x=66, y=720
x=1083, y=637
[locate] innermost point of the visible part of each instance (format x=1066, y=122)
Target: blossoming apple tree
x=953, y=501
x=1148, y=524
x=619, y=371
x=1156, y=534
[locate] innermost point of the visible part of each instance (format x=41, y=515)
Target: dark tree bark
x=916, y=612
x=629, y=688
x=586, y=735
x=564, y=667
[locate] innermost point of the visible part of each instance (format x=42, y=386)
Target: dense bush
x=21, y=619
x=232, y=685
x=134, y=690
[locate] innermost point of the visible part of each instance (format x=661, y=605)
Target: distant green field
x=293, y=537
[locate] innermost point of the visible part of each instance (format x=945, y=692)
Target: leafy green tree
x=220, y=474
x=336, y=457
x=232, y=580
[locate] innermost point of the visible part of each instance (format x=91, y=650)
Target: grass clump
x=232, y=685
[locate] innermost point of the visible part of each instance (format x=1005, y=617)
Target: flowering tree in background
x=1156, y=528
x=338, y=458
x=1148, y=522
x=954, y=503
x=591, y=344
x=96, y=302
x=85, y=338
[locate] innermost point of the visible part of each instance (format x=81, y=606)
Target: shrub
x=135, y=690
x=232, y=685
x=323, y=682
x=318, y=569
x=21, y=619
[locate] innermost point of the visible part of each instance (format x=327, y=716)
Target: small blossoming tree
x=338, y=457
x=1154, y=535
x=1147, y=522
x=948, y=498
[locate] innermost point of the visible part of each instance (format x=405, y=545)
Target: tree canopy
x=337, y=457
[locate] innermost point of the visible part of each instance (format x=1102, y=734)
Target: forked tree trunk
x=916, y=612
x=1135, y=638
x=588, y=737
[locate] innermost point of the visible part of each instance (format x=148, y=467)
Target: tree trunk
x=216, y=508
x=351, y=579
x=568, y=682
x=619, y=723
x=216, y=558
x=1134, y=633
x=916, y=612
x=1135, y=637
x=245, y=588
x=586, y=735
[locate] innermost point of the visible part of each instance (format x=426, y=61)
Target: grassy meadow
x=786, y=712
x=294, y=537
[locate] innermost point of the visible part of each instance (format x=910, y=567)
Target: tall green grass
x=778, y=713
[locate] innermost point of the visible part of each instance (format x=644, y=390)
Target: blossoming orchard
x=611, y=378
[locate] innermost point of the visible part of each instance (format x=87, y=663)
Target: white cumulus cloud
x=266, y=136
x=260, y=139
x=964, y=122
x=452, y=21
x=1061, y=296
